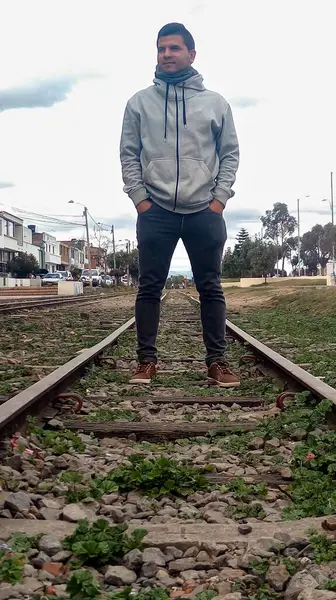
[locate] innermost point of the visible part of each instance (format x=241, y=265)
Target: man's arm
x=228, y=152
x=130, y=148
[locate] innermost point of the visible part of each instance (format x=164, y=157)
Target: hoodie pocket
x=160, y=178
x=195, y=181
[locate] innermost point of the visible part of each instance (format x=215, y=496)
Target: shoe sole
x=140, y=381
x=224, y=385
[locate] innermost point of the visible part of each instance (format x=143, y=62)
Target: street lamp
x=299, y=239
x=85, y=214
x=331, y=204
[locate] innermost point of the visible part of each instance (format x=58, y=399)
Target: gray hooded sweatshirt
x=179, y=146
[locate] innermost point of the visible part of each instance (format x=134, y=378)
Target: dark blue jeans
x=204, y=236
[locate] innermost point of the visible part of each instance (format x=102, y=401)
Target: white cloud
x=273, y=60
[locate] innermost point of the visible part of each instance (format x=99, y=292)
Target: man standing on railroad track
x=179, y=155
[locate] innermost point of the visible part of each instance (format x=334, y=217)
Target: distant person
x=179, y=155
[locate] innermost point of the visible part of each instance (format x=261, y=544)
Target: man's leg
x=204, y=236
x=158, y=232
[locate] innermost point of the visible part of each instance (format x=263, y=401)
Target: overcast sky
x=68, y=68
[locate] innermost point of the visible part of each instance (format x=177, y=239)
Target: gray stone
x=18, y=502
x=110, y=498
x=45, y=575
x=73, y=513
x=174, y=552
x=231, y=574
x=309, y=594
x=286, y=473
x=191, y=552
x=266, y=546
x=119, y=576
x=181, y=564
x=257, y=443
x=154, y=555
x=60, y=590
x=277, y=577
x=299, y=582
x=62, y=556
x=202, y=556
x=50, y=544
x=213, y=516
x=189, y=574
x=29, y=571
x=299, y=434
x=188, y=512
x=244, y=529
x=6, y=591
x=133, y=559
x=117, y=514
x=29, y=586
x=232, y=596
x=273, y=443
x=40, y=559
x=49, y=503
x=223, y=588
x=165, y=578
x=60, y=463
x=49, y=514
x=319, y=575
x=221, y=561
x=148, y=570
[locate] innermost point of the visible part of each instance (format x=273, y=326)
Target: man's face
x=173, y=54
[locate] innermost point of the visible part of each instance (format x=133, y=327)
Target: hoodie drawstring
x=184, y=108
x=166, y=109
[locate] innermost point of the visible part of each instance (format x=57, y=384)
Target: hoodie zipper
x=177, y=149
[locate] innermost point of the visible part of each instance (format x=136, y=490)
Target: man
x=179, y=155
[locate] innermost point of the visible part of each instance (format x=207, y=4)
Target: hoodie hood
x=191, y=86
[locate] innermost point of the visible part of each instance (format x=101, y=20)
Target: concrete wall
x=246, y=282
x=12, y=282
x=70, y=288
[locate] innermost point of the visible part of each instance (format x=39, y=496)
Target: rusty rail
x=297, y=377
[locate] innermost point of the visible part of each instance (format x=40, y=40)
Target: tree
x=262, y=256
x=279, y=226
x=76, y=273
x=230, y=266
x=317, y=246
x=125, y=260
x=23, y=265
x=242, y=237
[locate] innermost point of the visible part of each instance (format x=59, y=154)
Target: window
x=0, y=226
x=9, y=228
x=53, y=249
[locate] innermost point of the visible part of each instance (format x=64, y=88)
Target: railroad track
x=15, y=306
x=209, y=473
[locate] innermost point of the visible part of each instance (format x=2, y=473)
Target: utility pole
x=299, y=240
x=113, y=248
x=128, y=250
x=332, y=218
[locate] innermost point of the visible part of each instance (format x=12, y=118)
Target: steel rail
x=6, y=308
x=17, y=407
x=305, y=380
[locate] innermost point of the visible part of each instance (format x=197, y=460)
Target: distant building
x=48, y=244
x=15, y=239
x=98, y=255
x=72, y=255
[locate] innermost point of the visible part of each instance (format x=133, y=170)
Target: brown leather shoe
x=221, y=374
x=144, y=373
